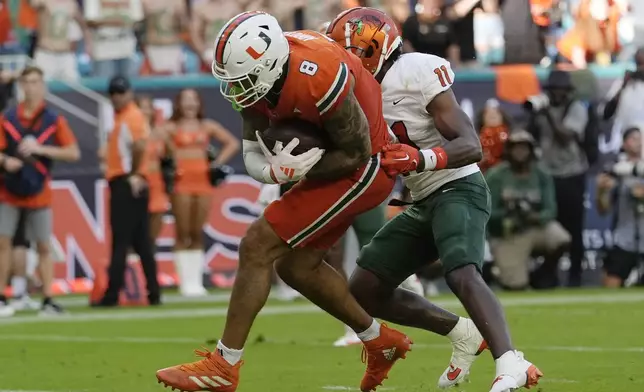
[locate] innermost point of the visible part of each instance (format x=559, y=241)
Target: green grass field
x=584, y=341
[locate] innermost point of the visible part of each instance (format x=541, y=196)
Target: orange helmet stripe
x=228, y=30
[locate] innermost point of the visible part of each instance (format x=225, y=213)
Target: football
x=310, y=135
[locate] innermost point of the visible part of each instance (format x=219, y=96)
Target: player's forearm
x=138, y=157
x=337, y=164
x=256, y=163
x=454, y=154
x=463, y=146
x=66, y=154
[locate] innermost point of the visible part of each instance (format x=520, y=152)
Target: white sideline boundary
x=28, y=390
x=155, y=314
x=343, y=388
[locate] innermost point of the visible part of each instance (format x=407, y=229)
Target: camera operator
x=522, y=221
x=619, y=190
x=626, y=96
x=559, y=124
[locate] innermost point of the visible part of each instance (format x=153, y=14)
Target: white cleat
x=6, y=310
x=25, y=303
x=515, y=372
x=348, y=339
x=413, y=284
x=464, y=352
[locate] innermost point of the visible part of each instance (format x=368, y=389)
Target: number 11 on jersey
x=443, y=76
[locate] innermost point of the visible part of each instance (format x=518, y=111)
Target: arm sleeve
x=256, y=163
x=64, y=135
x=139, y=128
x=549, y=208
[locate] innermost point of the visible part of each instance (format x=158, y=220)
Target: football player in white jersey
x=437, y=151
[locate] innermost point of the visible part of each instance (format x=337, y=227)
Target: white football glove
x=286, y=167
x=268, y=193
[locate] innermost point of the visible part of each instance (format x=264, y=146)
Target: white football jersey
x=408, y=87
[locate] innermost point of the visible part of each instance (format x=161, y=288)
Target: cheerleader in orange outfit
x=157, y=150
x=190, y=135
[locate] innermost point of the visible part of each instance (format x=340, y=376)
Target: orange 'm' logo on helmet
x=255, y=54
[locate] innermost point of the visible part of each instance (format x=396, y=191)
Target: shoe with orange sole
x=380, y=355
x=521, y=373
x=465, y=350
x=212, y=373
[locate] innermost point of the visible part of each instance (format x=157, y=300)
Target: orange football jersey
x=318, y=79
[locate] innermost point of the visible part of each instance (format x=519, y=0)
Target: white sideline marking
x=24, y=390
x=557, y=381
x=145, y=340
x=148, y=314
x=343, y=388
x=92, y=339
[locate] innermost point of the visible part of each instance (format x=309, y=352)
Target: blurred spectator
x=114, y=43
x=461, y=13
x=7, y=79
x=494, y=127
x=208, y=17
x=8, y=42
x=28, y=22
x=626, y=96
x=32, y=138
x=319, y=12
x=624, y=196
x=522, y=221
x=523, y=38
x=559, y=124
x=547, y=15
x=594, y=35
x=399, y=10
x=429, y=30
x=127, y=168
x=488, y=33
x=164, y=21
x=54, y=52
x=290, y=14
x=160, y=184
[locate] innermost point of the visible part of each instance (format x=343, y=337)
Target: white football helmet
x=250, y=52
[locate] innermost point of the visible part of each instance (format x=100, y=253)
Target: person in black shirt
x=7, y=79
x=430, y=31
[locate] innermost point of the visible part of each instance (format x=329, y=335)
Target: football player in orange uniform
x=271, y=75
x=438, y=150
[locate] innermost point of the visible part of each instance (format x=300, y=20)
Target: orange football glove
x=400, y=159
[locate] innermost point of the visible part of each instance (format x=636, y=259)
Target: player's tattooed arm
x=348, y=131
x=463, y=146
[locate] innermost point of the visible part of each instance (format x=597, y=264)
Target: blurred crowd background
x=144, y=37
